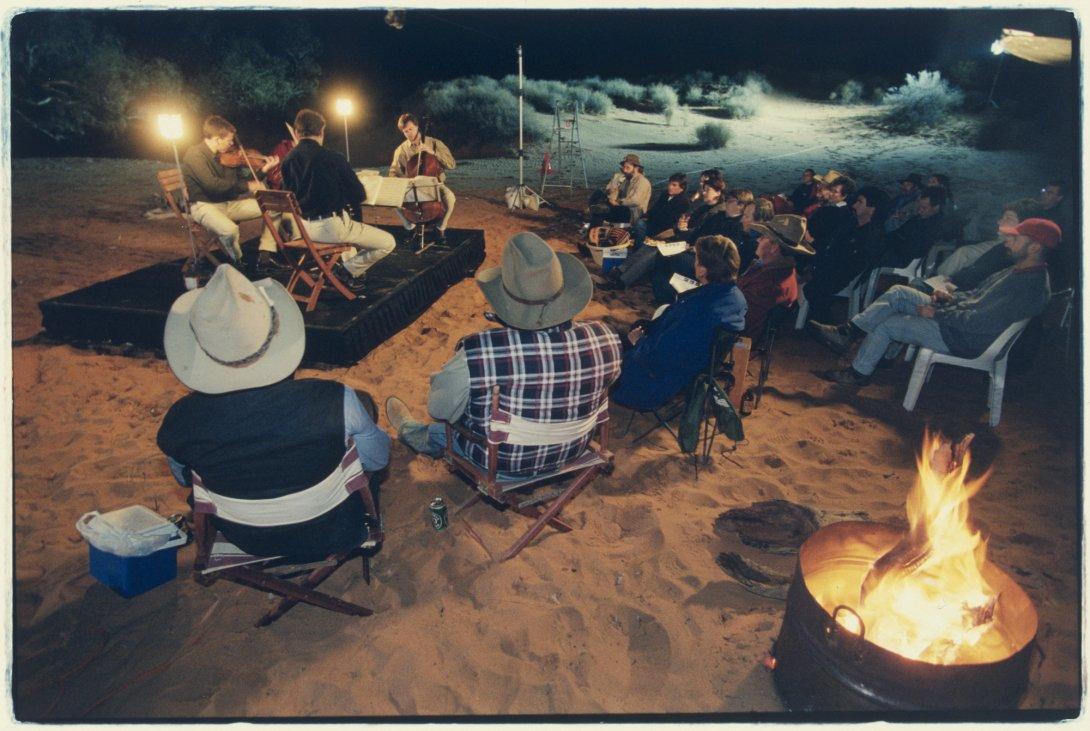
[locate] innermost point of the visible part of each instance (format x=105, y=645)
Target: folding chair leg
x=295, y=593
x=549, y=515
x=535, y=513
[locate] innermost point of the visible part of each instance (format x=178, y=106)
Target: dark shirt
x=830, y=226
x=911, y=240
x=209, y=182
x=665, y=212
x=991, y=261
x=322, y=180
x=712, y=220
x=802, y=196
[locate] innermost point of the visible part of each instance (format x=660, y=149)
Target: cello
x=415, y=210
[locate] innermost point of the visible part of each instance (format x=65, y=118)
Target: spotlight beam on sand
x=344, y=108
x=170, y=127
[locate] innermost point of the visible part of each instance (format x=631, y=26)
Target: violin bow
x=246, y=157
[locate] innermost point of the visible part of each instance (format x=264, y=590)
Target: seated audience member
x=696, y=198
x=1054, y=205
x=842, y=262
x=771, y=280
x=969, y=265
x=914, y=238
x=671, y=349
x=624, y=198
x=1057, y=208
x=659, y=224
x=251, y=432
x=832, y=223
x=220, y=197
x=821, y=194
x=720, y=215
x=903, y=207
x=953, y=223
x=805, y=192
x=326, y=188
x=761, y=211
x=548, y=366
x=963, y=324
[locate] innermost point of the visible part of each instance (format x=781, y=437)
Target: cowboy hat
x=829, y=177
x=633, y=159
x=787, y=230
x=233, y=334
x=534, y=287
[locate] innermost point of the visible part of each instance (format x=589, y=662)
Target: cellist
x=405, y=156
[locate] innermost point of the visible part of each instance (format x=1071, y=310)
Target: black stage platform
x=132, y=308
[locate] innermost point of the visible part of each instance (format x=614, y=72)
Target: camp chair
x=206, y=242
x=779, y=315
x=311, y=254
x=910, y=271
x=721, y=350
x=993, y=361
x=505, y=428
x=217, y=558
x=853, y=291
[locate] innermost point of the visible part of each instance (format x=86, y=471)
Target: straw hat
x=787, y=230
x=829, y=177
x=534, y=287
x=233, y=334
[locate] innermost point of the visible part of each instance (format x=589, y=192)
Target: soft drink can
x=438, y=511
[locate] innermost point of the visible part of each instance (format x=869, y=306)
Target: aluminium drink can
x=438, y=511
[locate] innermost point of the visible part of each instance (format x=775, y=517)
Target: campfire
x=884, y=618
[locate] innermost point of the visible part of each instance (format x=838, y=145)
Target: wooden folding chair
x=217, y=558
x=509, y=493
x=310, y=254
x=206, y=242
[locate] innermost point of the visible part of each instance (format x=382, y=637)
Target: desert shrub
x=662, y=99
x=543, y=95
x=741, y=100
x=850, y=92
x=712, y=136
x=478, y=109
x=922, y=101
x=692, y=94
x=597, y=102
x=624, y=94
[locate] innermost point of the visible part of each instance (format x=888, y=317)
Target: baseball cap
x=1044, y=232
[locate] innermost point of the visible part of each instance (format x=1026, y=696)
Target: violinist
x=220, y=196
x=405, y=165
x=324, y=185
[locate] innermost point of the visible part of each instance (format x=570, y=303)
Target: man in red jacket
x=770, y=280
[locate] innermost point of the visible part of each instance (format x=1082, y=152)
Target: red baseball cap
x=1044, y=232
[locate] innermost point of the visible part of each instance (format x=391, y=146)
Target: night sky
x=386, y=66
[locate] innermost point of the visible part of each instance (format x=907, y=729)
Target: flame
x=926, y=599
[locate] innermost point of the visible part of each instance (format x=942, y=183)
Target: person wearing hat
x=770, y=280
x=904, y=204
x=263, y=448
x=625, y=197
x=963, y=324
x=671, y=349
x=548, y=366
x=831, y=224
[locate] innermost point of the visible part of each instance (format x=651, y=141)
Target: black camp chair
x=777, y=317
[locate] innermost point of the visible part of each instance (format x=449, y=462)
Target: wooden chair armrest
x=466, y=433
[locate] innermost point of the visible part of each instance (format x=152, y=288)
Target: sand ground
x=628, y=613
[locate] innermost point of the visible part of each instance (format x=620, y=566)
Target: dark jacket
x=712, y=220
x=912, y=240
x=976, y=318
x=987, y=264
x=209, y=182
x=322, y=180
x=664, y=213
x=677, y=345
x=831, y=226
x=766, y=287
x=802, y=196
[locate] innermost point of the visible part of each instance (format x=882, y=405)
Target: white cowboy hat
x=233, y=334
x=534, y=287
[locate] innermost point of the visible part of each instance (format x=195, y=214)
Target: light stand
x=523, y=190
x=170, y=127
x=997, y=49
x=344, y=108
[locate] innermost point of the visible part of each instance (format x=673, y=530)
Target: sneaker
x=837, y=338
x=846, y=377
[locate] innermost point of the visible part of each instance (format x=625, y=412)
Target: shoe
x=397, y=413
x=355, y=285
x=846, y=377
x=837, y=339
x=439, y=236
x=270, y=266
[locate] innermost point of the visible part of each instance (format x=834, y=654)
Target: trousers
x=222, y=220
x=371, y=243
x=892, y=319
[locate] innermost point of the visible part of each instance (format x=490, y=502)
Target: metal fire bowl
x=821, y=666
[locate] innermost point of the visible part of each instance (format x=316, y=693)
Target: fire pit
x=882, y=619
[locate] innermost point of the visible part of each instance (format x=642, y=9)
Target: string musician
x=219, y=179
x=423, y=155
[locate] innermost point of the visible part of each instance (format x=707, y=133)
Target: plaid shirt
x=553, y=375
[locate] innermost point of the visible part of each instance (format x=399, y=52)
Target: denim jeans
x=892, y=318
x=429, y=439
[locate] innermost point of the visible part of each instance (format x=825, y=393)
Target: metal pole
x=521, y=173
x=995, y=79
x=185, y=197
x=347, y=156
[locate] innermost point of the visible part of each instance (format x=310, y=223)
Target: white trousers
x=372, y=244
x=222, y=220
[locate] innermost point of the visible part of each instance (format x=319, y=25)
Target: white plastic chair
x=993, y=361
x=909, y=272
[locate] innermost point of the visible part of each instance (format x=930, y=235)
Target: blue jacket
x=677, y=345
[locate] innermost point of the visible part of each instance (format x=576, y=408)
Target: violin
x=237, y=156
x=424, y=163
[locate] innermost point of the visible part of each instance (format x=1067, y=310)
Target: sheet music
x=395, y=192
x=673, y=248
